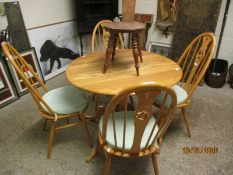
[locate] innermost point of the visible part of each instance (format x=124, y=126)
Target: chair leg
x=96, y=104
x=95, y=151
x=45, y=124
x=86, y=130
x=155, y=164
x=51, y=139
x=185, y=117
x=107, y=164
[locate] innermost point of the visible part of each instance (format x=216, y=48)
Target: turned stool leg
x=135, y=51
x=140, y=54
x=116, y=36
x=108, y=51
x=139, y=50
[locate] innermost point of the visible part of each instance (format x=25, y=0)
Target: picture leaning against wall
x=31, y=58
x=7, y=91
x=56, y=46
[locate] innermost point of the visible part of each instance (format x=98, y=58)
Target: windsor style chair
x=58, y=104
x=135, y=133
x=194, y=62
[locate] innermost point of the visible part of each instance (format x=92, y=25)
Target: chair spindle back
x=145, y=96
x=29, y=77
x=195, y=60
x=100, y=37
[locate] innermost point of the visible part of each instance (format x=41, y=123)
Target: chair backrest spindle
x=29, y=77
x=195, y=60
x=100, y=37
x=140, y=118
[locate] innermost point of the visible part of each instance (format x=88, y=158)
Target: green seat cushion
x=129, y=137
x=65, y=100
x=181, y=95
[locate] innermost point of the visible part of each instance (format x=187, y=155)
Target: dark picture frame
x=160, y=48
x=8, y=92
x=31, y=58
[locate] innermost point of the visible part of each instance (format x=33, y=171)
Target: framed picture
x=7, y=89
x=56, y=46
x=160, y=48
x=31, y=58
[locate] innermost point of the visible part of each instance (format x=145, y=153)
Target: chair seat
x=129, y=136
x=181, y=95
x=65, y=100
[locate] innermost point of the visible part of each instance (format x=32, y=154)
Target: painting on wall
x=56, y=46
x=31, y=58
x=7, y=91
x=159, y=48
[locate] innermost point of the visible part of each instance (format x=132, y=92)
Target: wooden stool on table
x=114, y=29
x=128, y=25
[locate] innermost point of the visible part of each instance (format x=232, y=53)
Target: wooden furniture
x=100, y=37
x=194, y=62
x=135, y=133
x=90, y=12
x=85, y=72
x=128, y=25
x=147, y=19
x=99, y=41
x=55, y=105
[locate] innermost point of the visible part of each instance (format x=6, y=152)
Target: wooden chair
x=55, y=105
x=100, y=37
x=135, y=133
x=194, y=62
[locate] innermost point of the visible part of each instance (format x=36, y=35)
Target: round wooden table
x=86, y=72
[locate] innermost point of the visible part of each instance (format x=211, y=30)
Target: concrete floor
x=23, y=144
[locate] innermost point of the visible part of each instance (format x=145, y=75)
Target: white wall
x=226, y=49
x=42, y=12
x=3, y=22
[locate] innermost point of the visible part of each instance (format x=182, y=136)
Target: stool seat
x=125, y=26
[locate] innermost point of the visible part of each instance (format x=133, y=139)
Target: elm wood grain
x=86, y=72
